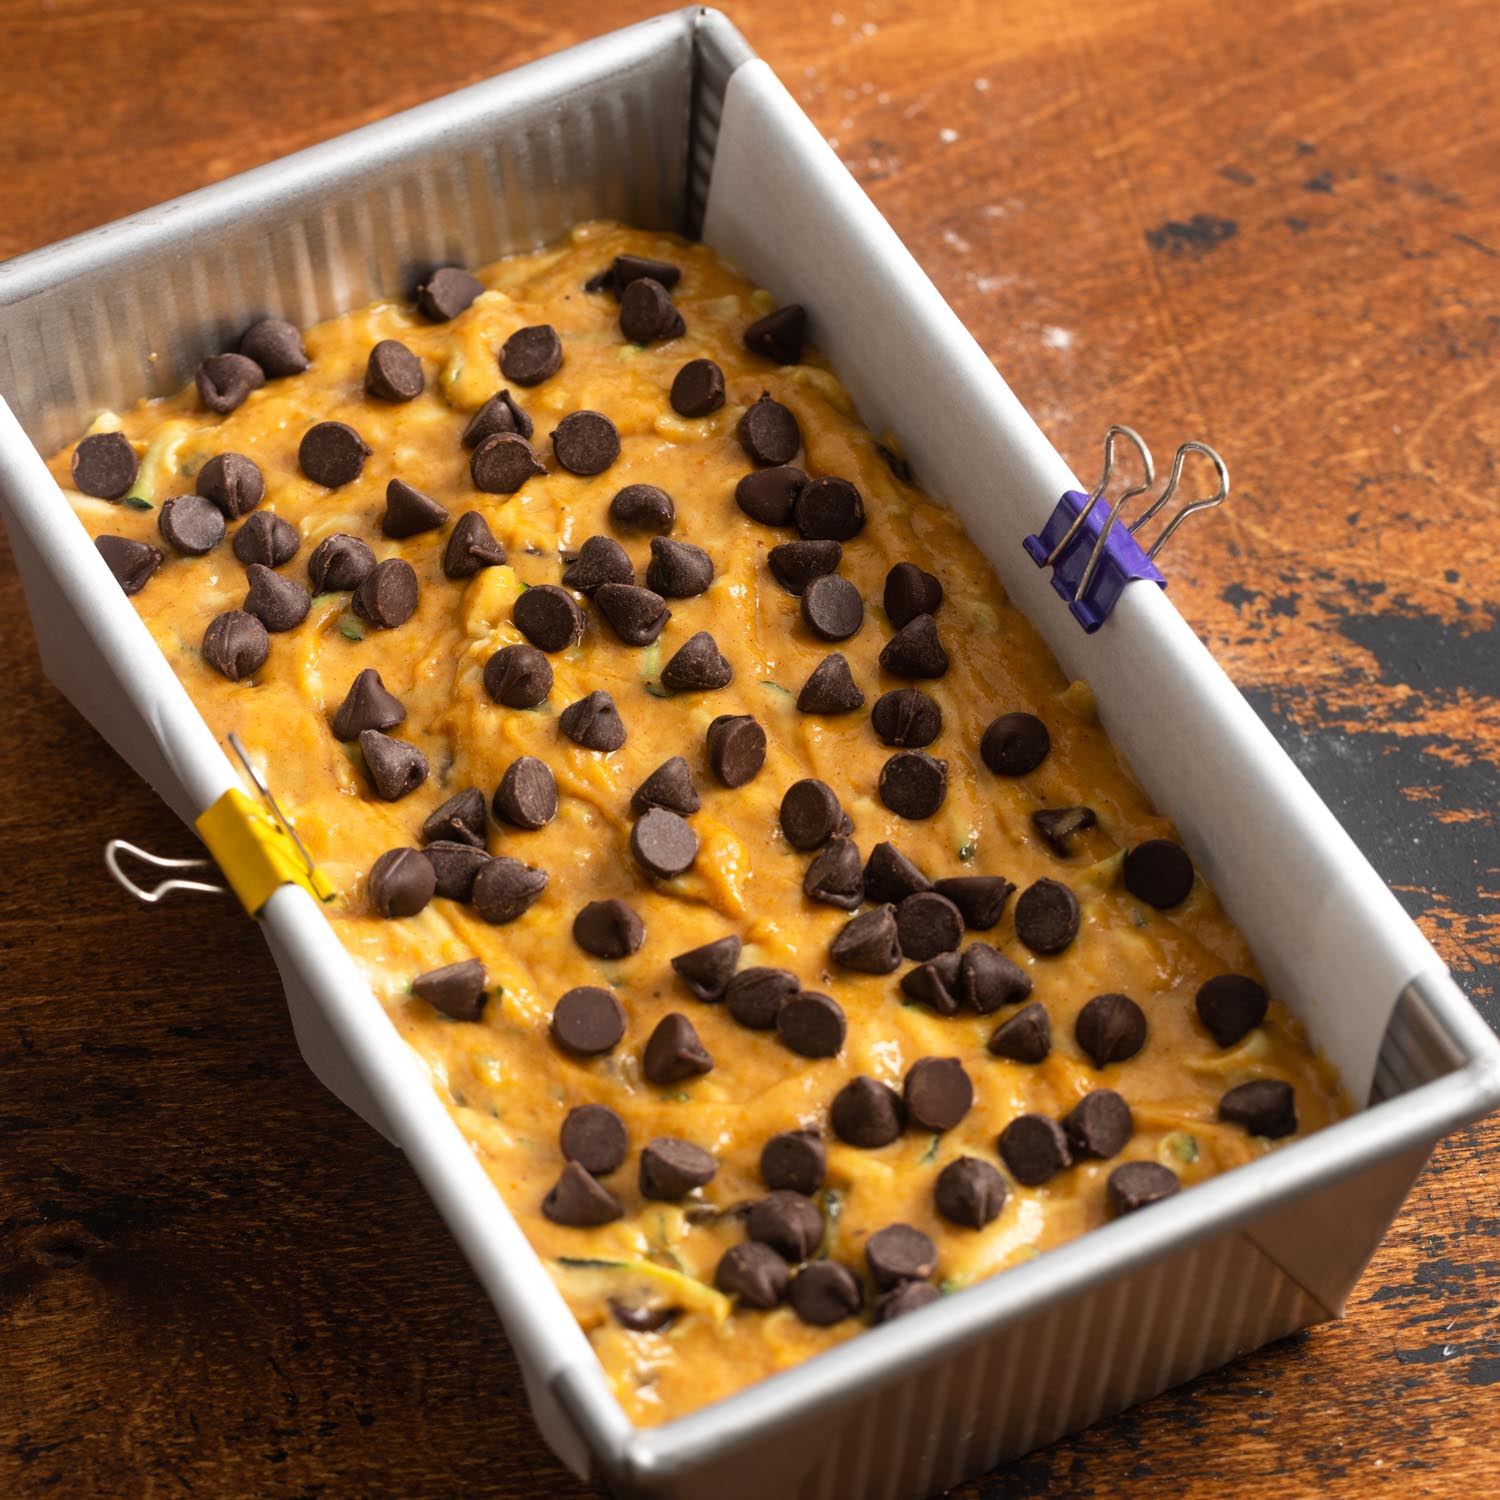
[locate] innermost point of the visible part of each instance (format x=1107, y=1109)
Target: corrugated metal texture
x=1417, y=1047
x=720, y=49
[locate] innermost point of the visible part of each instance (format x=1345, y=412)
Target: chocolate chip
x=834, y=877
x=1057, y=825
x=502, y=463
x=586, y=442
x=549, y=617
x=1110, y=1028
x=104, y=465
x=937, y=1093
x=810, y=813
x=969, y=1192
x=643, y=1319
x=825, y=1292
x=987, y=979
x=332, y=454
x=1159, y=873
x=447, y=292
x=778, y=335
x=647, y=312
x=191, y=525
x=934, y=984
x=915, y=650
x=636, y=615
x=1137, y=1184
x=753, y=1273
x=913, y=784
x=396, y=768
x=460, y=819
x=642, y=507
x=339, y=562
x=907, y=718
x=1047, y=916
x=794, y=1160
x=868, y=942
x=501, y=413
x=627, y=268
x=393, y=372
x=1099, y=1125
x=1015, y=744
x=131, y=562
x=401, y=882
x=593, y=722
x=388, y=596
x=981, y=898
x=408, y=511
x=505, y=889
x=1026, y=1037
x=736, y=749
x=898, y=1253
x=678, y=570
x=670, y=1168
x=595, y=1137
x=266, y=539
x=276, y=346
x=518, y=676
x=867, y=1113
x=707, y=970
x=1229, y=1006
x=225, y=380
x=891, y=876
x=1264, y=1106
x=1034, y=1149
x=456, y=865
x=471, y=547
x=769, y=495
x=909, y=592
x=608, y=929
x=755, y=996
x=698, y=389
x=673, y=1051
x=531, y=355
x=278, y=603
x=788, y=1222
x=663, y=843
x=697, y=666
x=579, y=1202
x=927, y=924
x=811, y=1025
x=832, y=608
x=588, y=1021
x=235, y=644
x=905, y=1297
x=527, y=794
x=795, y=565
x=457, y=990
x=830, y=688
x=600, y=560
x=769, y=434
x=367, y=705
x=232, y=482
x=670, y=786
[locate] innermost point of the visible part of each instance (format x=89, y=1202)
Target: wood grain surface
x=1271, y=226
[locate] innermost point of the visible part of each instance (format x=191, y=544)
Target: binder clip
x=1093, y=559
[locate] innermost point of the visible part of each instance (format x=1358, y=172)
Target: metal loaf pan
x=674, y=124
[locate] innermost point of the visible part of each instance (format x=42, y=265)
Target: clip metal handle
x=115, y=849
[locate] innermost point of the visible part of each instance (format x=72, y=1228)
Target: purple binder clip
x=1093, y=559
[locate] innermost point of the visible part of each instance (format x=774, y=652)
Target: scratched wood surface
x=1274, y=227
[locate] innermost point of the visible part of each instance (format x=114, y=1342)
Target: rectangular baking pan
x=674, y=124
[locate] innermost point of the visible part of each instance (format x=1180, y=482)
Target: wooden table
x=1274, y=227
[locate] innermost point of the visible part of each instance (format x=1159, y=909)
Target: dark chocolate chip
x=736, y=749
x=794, y=565
x=408, y=511
x=824, y=1292
x=670, y=786
x=914, y=784
x=1015, y=744
x=505, y=889
x=1057, y=825
x=829, y=510
x=457, y=990
x=531, y=355
x=891, y=876
x=527, y=794
x=232, y=482
x=794, y=1160
x=401, y=882
x=636, y=615
x=642, y=507
x=663, y=843
x=586, y=442
x=769, y=495
x=608, y=929
x=907, y=718
x=788, y=1222
x=131, y=562
x=456, y=865
x=867, y=1113
x=678, y=570
x=673, y=1051
x=396, y=768
x=905, y=1297
x=910, y=592
x=579, y=1202
x=643, y=1319
x=236, y=644
x=830, y=688
x=937, y=1093
x=1229, y=1006
x=811, y=1024
x=970, y=1193
x=698, y=389
x=671, y=1169
x=832, y=608
x=471, y=547
x=104, y=465
x=1159, y=873
x=388, y=596
x=981, y=898
x=755, y=1274
x=191, y=525
x=600, y=560
x=518, y=676
x=754, y=996
x=1137, y=1184
x=332, y=453
x=266, y=539
x=1035, y=1149
x=778, y=335
x=367, y=705
x=393, y=372
x=447, y=292
x=810, y=813
x=588, y=1021
x=834, y=877
x=595, y=1137
x=225, y=380
x=869, y=942
x=934, y=984
x=697, y=666
x=928, y=924
x=501, y=413
x=278, y=603
x=276, y=346
x=593, y=722
x=1264, y=1106
x=339, y=562
x=459, y=820
x=1099, y=1125
x=1110, y=1028
x=1047, y=916
x=502, y=463
x=647, y=312
x=915, y=650
x=627, y=268
x=898, y=1253
x=987, y=979
x=768, y=432
x=549, y=617
x=1026, y=1037
x=707, y=969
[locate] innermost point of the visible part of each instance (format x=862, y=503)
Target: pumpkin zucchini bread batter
x=776, y=921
